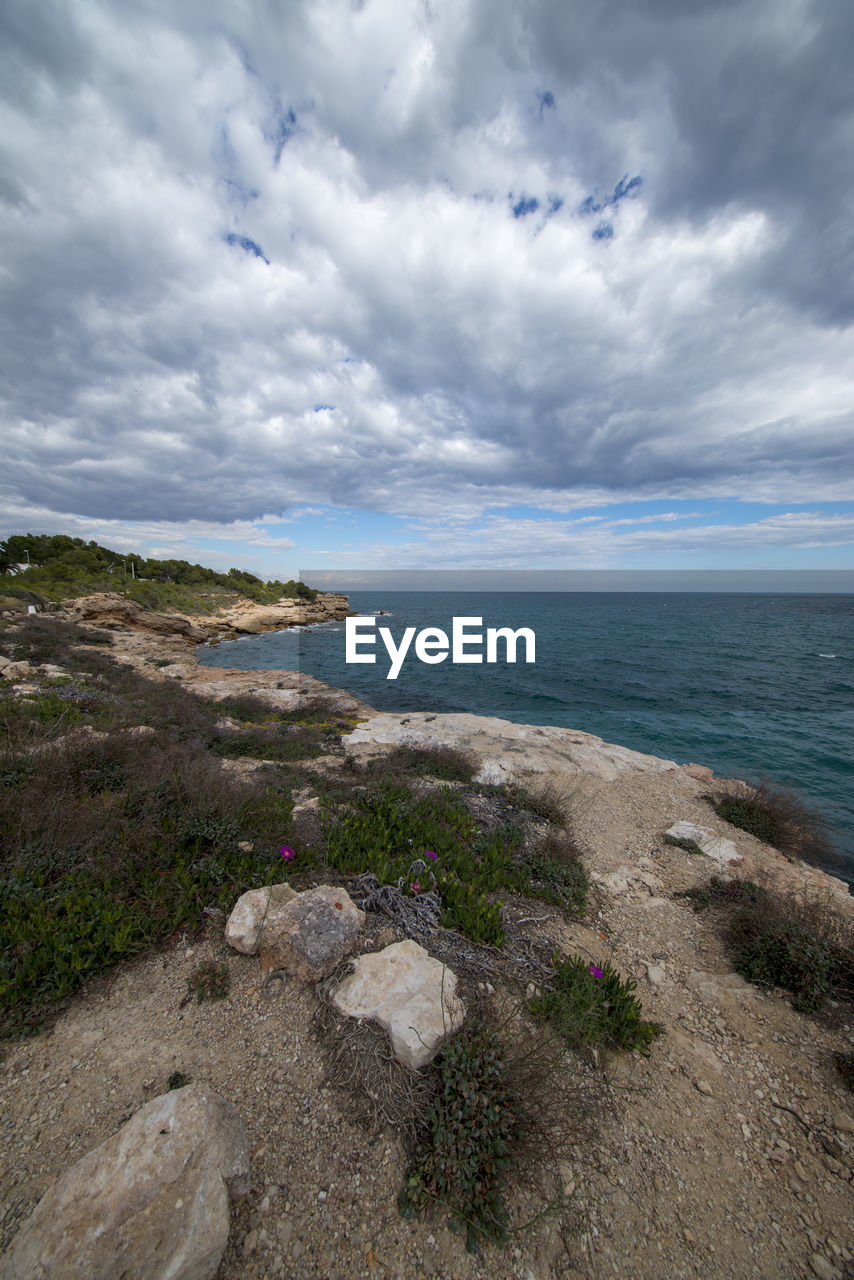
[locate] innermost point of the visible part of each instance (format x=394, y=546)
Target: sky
x=415, y=284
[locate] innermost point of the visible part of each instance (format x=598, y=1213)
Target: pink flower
x=416, y=887
x=595, y=970
x=287, y=853
x=431, y=855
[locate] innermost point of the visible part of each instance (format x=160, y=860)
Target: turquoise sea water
x=747, y=684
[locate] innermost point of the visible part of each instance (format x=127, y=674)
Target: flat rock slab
x=243, y=930
x=152, y=1202
x=308, y=936
x=714, y=847
x=409, y=993
x=504, y=748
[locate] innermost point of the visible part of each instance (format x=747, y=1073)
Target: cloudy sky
x=393, y=283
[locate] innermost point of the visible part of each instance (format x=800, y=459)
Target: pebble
x=842, y=1122
x=822, y=1268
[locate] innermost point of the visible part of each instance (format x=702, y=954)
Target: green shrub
x=592, y=1005
x=557, y=875
x=296, y=744
x=546, y=800
x=209, y=980
x=445, y=763
x=727, y=893
x=776, y=942
x=391, y=826
x=790, y=956
x=776, y=816
x=681, y=842
x=463, y=1155
x=469, y=911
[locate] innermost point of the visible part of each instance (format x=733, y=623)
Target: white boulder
x=409, y=993
x=714, y=847
x=152, y=1202
x=243, y=930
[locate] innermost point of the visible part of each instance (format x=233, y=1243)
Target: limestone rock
x=243, y=930
x=16, y=670
x=714, y=847
x=309, y=935
x=151, y=1202
x=505, y=748
x=108, y=609
x=252, y=619
x=409, y=993
x=701, y=772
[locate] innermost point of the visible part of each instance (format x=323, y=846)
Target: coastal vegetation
x=776, y=816
x=49, y=568
x=121, y=827
x=122, y=830
x=134, y=812
x=802, y=947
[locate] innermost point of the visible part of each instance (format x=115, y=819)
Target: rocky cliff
x=109, y=609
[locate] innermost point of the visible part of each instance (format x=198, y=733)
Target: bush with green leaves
x=790, y=956
x=773, y=941
x=62, y=567
x=776, y=816
x=590, y=1004
x=465, y=1148
x=443, y=762
x=391, y=824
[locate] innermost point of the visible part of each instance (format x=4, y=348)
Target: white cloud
x=410, y=345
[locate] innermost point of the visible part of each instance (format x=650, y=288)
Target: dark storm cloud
x=221, y=220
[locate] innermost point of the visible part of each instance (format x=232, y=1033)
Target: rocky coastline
x=245, y=618
x=728, y=1153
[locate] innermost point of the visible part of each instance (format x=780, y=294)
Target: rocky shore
x=108, y=609
x=729, y=1152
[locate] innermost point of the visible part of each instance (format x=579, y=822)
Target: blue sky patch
x=524, y=206
x=626, y=188
x=243, y=242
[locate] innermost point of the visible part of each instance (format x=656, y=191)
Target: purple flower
x=287, y=853
x=416, y=887
x=431, y=855
x=595, y=970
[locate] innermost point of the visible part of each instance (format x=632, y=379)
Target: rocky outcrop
x=108, y=609
x=503, y=748
x=409, y=993
x=111, y=610
x=252, y=619
x=151, y=1202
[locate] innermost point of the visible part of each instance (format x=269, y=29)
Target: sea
x=750, y=685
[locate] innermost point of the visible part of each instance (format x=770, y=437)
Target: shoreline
x=508, y=750
x=736, y=1122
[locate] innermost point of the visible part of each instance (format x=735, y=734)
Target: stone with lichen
x=308, y=936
